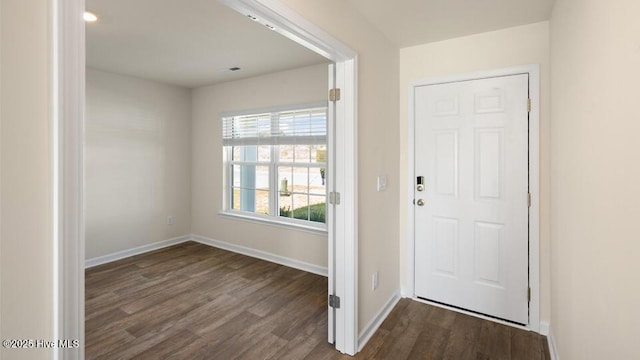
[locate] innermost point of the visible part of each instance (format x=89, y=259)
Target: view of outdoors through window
x=277, y=164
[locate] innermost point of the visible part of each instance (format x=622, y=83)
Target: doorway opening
x=68, y=99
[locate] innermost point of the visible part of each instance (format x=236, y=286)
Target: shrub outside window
x=275, y=165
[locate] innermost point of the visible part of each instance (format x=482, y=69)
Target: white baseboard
x=544, y=328
x=553, y=350
x=300, y=265
x=377, y=320
x=135, y=251
x=278, y=259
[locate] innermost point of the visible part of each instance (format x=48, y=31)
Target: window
x=275, y=165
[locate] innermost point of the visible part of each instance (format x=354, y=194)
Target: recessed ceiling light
x=89, y=17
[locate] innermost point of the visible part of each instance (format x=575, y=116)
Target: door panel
x=330, y=218
x=446, y=162
x=471, y=234
x=488, y=163
x=446, y=246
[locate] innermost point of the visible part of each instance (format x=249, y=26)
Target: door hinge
x=529, y=294
x=334, y=94
x=334, y=301
x=529, y=105
x=528, y=199
x=334, y=198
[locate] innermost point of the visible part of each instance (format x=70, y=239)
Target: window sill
x=275, y=223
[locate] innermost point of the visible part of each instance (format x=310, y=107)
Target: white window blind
x=291, y=127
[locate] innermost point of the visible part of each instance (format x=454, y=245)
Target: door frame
x=534, y=182
x=67, y=58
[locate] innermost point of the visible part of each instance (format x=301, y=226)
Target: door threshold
x=472, y=313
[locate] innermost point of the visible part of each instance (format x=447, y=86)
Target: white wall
x=138, y=162
x=521, y=45
x=377, y=146
x=595, y=59
x=25, y=177
x=297, y=86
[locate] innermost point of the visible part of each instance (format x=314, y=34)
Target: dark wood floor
x=191, y=301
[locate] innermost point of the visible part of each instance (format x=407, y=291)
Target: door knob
x=420, y=202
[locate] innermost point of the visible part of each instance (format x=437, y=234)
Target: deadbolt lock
x=420, y=183
x=420, y=202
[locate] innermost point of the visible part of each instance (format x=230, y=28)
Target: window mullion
x=309, y=187
x=273, y=172
x=228, y=201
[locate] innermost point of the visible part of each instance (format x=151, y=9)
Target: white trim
x=104, y=259
x=273, y=109
x=67, y=58
x=275, y=222
x=293, y=26
x=346, y=214
x=55, y=277
x=534, y=179
x=263, y=255
x=300, y=30
x=407, y=288
x=331, y=208
x=534, y=189
x=544, y=328
x=551, y=341
x=377, y=320
x=69, y=96
x=55, y=171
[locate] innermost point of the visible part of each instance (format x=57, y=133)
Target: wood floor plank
x=377, y=341
x=265, y=348
x=253, y=345
x=390, y=322
x=108, y=317
x=441, y=317
x=431, y=342
x=184, y=285
x=192, y=301
x=495, y=340
x=324, y=351
x=219, y=336
x=168, y=346
x=528, y=344
x=305, y=341
x=405, y=333
x=168, y=313
x=114, y=282
x=136, y=346
x=98, y=345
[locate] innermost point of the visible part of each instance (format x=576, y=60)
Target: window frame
x=273, y=218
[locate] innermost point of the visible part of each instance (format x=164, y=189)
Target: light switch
x=382, y=182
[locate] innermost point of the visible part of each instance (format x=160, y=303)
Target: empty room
x=204, y=152
x=319, y=179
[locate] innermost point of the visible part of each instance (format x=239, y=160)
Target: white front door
x=471, y=212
